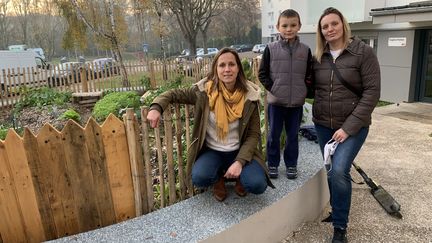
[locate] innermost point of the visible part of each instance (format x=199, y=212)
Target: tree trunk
x=116, y=48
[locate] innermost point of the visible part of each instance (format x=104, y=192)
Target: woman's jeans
x=339, y=178
x=280, y=117
x=211, y=165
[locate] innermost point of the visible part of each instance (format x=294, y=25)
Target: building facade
x=399, y=31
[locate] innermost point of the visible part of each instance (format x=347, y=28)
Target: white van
x=18, y=59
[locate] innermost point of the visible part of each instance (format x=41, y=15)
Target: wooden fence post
x=152, y=76
x=136, y=162
x=84, y=82
x=147, y=162
x=170, y=157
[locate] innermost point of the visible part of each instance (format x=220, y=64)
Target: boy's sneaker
x=273, y=172
x=339, y=236
x=291, y=172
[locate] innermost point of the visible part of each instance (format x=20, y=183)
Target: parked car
x=65, y=73
x=104, y=67
x=211, y=52
x=259, y=48
x=246, y=47
x=236, y=47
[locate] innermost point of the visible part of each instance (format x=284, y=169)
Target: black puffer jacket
x=335, y=106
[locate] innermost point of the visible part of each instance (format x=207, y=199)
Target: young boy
x=284, y=67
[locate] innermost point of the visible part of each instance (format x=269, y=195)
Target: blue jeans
x=212, y=164
x=280, y=117
x=339, y=178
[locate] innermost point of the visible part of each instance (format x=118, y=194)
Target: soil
x=35, y=118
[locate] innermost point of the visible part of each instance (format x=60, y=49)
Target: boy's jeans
x=339, y=178
x=278, y=117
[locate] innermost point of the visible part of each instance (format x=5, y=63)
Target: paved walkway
x=398, y=155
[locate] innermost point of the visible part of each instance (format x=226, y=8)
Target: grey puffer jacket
x=283, y=71
x=335, y=106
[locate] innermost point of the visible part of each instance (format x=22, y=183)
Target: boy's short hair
x=289, y=13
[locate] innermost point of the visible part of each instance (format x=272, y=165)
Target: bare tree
x=110, y=35
x=4, y=24
x=46, y=25
x=237, y=20
x=193, y=15
x=23, y=10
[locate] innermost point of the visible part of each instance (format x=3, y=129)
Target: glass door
x=426, y=81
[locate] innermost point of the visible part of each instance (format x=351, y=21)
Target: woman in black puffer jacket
x=342, y=109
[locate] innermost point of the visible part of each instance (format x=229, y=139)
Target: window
x=371, y=41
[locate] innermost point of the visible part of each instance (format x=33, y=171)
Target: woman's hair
x=241, y=77
x=320, y=40
x=289, y=13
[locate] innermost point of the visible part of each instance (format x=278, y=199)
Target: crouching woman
x=226, y=128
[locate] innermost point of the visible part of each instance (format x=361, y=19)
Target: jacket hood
x=253, y=94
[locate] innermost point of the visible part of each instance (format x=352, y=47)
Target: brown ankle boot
x=239, y=189
x=219, y=190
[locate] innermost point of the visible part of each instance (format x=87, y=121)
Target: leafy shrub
x=71, y=114
x=145, y=81
x=178, y=82
x=247, y=69
x=3, y=132
x=39, y=97
x=113, y=102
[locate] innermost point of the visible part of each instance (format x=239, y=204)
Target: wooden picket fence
x=59, y=183
x=56, y=184
x=89, y=77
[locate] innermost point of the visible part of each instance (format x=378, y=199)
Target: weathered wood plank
x=102, y=193
x=81, y=176
x=158, y=143
x=23, y=183
x=11, y=223
x=136, y=162
x=55, y=176
x=147, y=162
x=41, y=190
x=117, y=156
x=170, y=157
x=179, y=141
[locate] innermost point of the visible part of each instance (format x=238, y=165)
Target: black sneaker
x=273, y=172
x=291, y=172
x=339, y=236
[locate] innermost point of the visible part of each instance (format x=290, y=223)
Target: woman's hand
x=153, y=117
x=340, y=135
x=234, y=170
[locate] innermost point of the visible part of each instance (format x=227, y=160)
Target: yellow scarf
x=226, y=105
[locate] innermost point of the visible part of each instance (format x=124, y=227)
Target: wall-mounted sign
x=397, y=41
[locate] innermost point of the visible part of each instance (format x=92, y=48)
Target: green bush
x=177, y=82
x=39, y=97
x=3, y=132
x=71, y=114
x=113, y=102
x=247, y=69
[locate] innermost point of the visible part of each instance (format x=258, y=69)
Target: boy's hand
x=153, y=117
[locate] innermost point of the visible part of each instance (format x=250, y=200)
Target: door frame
x=427, y=42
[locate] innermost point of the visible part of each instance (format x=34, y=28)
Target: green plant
x=113, y=102
x=383, y=103
x=39, y=97
x=145, y=81
x=247, y=69
x=178, y=82
x=3, y=131
x=71, y=114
